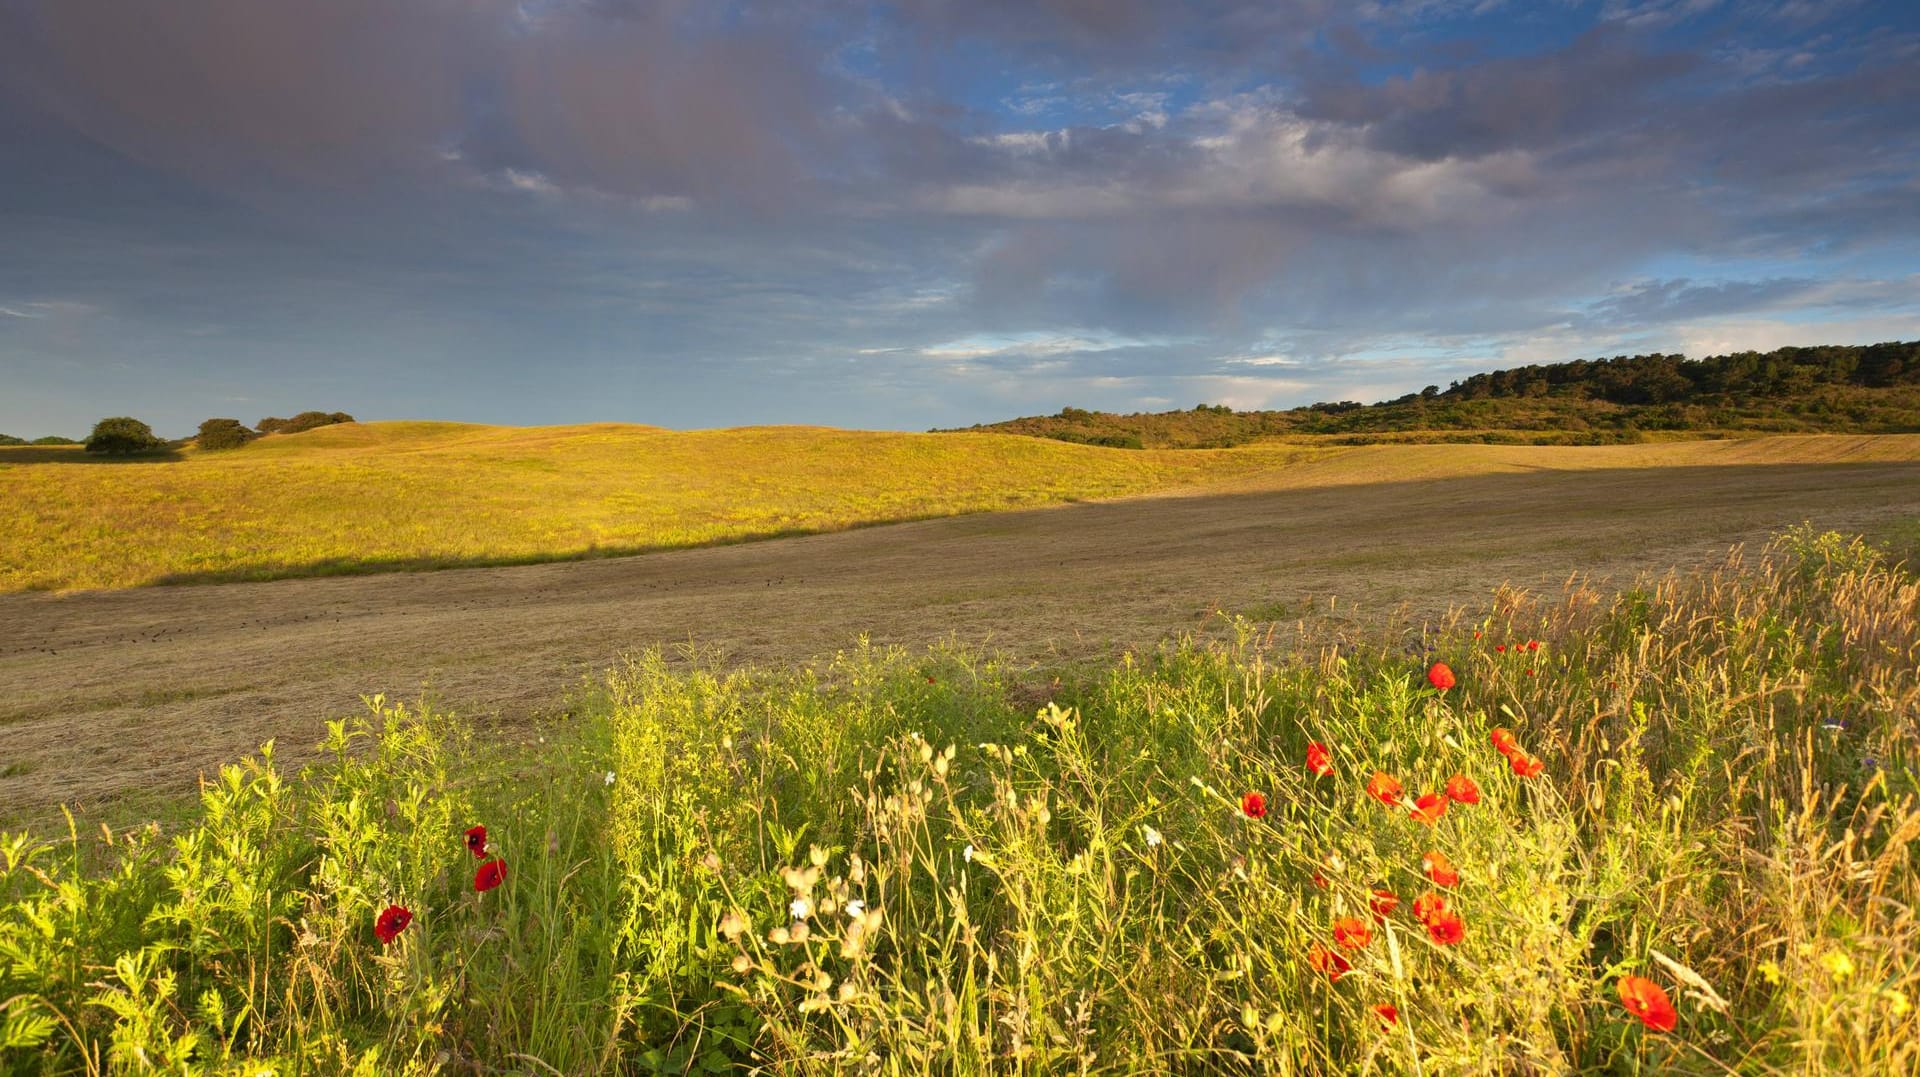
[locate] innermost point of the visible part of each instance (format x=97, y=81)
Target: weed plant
x=915, y=863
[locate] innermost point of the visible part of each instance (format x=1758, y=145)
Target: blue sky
x=925, y=213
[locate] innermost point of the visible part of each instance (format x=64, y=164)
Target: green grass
x=382, y=496
x=1055, y=875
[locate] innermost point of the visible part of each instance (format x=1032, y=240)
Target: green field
x=944, y=863
x=373, y=496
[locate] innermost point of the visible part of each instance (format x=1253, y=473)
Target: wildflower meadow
x=1668, y=831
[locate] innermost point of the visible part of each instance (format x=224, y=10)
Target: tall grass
x=946, y=863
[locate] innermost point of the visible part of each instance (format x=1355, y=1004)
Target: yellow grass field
x=396, y=495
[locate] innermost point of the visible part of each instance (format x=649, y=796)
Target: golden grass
x=371, y=496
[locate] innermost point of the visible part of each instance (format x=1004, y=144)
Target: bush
x=122, y=434
x=223, y=434
x=306, y=420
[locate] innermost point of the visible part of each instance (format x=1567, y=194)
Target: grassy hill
x=371, y=496
x=1836, y=389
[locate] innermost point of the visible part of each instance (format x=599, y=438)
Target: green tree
x=122, y=434
x=223, y=434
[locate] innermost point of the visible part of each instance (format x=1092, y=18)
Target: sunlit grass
x=949, y=863
x=372, y=496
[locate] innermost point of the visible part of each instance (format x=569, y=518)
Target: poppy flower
x=1437, y=867
x=1526, y=766
x=1387, y=1014
x=1461, y=788
x=1504, y=743
x=1384, y=787
x=1352, y=932
x=390, y=923
x=1328, y=961
x=1253, y=806
x=1429, y=808
x=1644, y=999
x=1382, y=902
x=1440, y=676
x=1428, y=905
x=1446, y=928
x=491, y=874
x=1319, y=760
x=477, y=841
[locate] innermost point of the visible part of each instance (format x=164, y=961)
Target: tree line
x=121, y=435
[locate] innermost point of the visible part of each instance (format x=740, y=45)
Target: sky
x=929, y=212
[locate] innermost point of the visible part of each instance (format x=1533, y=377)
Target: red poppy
x=1428, y=905
x=1461, y=788
x=491, y=874
x=1440, y=676
x=1429, y=808
x=477, y=841
x=1526, y=766
x=1437, y=867
x=1446, y=928
x=1504, y=743
x=1387, y=1014
x=1352, y=932
x=390, y=923
x=1319, y=760
x=1384, y=787
x=1328, y=961
x=1644, y=999
x=1383, y=902
x=1253, y=806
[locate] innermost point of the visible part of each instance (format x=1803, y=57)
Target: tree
x=122, y=434
x=223, y=434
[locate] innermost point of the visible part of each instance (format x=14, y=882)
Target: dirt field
x=104, y=695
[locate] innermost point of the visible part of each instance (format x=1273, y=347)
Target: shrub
x=223, y=434
x=306, y=420
x=122, y=434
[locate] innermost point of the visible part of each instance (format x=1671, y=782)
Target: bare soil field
x=110, y=695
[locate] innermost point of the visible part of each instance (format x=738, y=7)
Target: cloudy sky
x=928, y=212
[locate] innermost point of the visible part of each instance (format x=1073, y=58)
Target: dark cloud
x=810, y=203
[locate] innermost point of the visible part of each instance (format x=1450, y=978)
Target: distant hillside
x=368, y=497
x=1829, y=389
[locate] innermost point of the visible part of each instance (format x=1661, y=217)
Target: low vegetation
x=1669, y=832
x=368, y=497
x=1865, y=389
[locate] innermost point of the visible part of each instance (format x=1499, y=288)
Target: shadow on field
x=74, y=454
